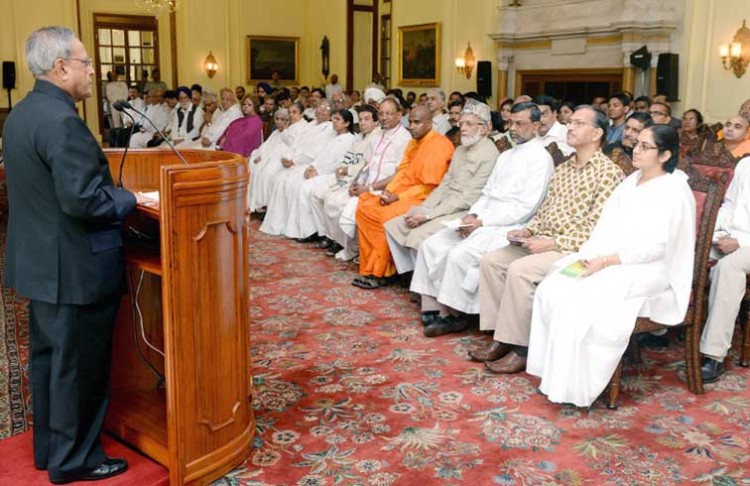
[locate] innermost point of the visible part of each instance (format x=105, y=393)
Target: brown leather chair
x=503, y=144
x=708, y=195
x=619, y=157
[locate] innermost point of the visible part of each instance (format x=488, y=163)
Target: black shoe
x=712, y=370
x=648, y=340
x=310, y=239
x=110, y=467
x=430, y=317
x=324, y=243
x=333, y=249
x=446, y=325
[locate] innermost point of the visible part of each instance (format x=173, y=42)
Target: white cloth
x=265, y=163
x=558, y=133
x=306, y=148
x=297, y=189
x=580, y=327
x=447, y=266
x=333, y=88
x=160, y=116
x=139, y=105
x=441, y=124
x=116, y=91
x=179, y=131
x=219, y=123
x=734, y=214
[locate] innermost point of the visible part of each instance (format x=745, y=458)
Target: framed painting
x=419, y=55
x=268, y=54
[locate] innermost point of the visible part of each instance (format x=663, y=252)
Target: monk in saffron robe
x=425, y=162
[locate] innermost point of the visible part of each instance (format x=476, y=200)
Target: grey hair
x=283, y=112
x=440, y=93
x=209, y=95
x=45, y=46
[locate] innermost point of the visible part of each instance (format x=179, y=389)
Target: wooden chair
x=744, y=318
x=558, y=157
x=503, y=144
x=708, y=195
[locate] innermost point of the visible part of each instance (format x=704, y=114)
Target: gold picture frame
x=266, y=54
x=419, y=55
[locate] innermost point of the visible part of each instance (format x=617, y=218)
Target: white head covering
x=374, y=94
x=478, y=109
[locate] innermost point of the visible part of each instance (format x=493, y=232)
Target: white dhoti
x=580, y=327
x=263, y=177
x=447, y=266
x=300, y=219
x=140, y=139
x=318, y=197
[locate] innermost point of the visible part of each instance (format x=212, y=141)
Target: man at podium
x=64, y=253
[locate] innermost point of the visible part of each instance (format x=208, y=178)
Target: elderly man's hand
x=539, y=245
x=310, y=172
x=415, y=220
x=356, y=190
x=205, y=141
x=727, y=244
x=388, y=198
x=287, y=163
x=469, y=224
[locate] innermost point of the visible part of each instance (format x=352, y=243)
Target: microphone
x=121, y=106
x=118, y=105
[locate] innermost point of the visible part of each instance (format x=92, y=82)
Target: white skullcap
x=478, y=109
x=374, y=94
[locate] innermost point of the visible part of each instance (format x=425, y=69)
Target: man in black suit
x=64, y=253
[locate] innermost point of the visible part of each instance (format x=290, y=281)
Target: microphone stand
x=124, y=104
x=122, y=161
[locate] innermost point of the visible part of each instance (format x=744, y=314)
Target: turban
x=183, y=89
x=266, y=87
x=479, y=110
x=374, y=94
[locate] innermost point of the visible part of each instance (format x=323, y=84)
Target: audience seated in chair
x=447, y=268
x=694, y=134
x=470, y=167
x=736, y=136
x=509, y=276
x=221, y=118
x=619, y=106
x=158, y=112
x=244, y=135
x=637, y=262
x=729, y=276
x=634, y=124
x=186, y=125
x=265, y=161
x=329, y=197
x=425, y=162
x=550, y=130
x=436, y=104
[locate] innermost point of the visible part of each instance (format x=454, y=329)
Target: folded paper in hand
x=575, y=269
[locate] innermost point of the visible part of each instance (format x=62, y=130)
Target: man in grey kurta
x=461, y=186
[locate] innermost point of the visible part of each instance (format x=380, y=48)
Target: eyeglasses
x=643, y=146
x=469, y=124
x=578, y=123
x=654, y=112
x=86, y=62
x=518, y=124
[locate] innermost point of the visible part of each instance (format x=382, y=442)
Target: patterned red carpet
x=348, y=391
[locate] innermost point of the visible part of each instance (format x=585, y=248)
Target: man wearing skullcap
x=471, y=166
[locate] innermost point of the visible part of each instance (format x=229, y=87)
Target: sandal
x=370, y=282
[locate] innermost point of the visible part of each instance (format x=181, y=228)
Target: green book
x=575, y=269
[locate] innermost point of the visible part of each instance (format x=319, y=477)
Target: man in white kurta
x=308, y=148
x=115, y=90
x=158, y=112
x=228, y=112
x=436, y=104
x=447, y=269
x=297, y=187
x=581, y=326
x=729, y=276
x=187, y=122
x=471, y=166
x=386, y=152
x=261, y=185
x=353, y=161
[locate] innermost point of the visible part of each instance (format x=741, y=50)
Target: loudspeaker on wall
x=484, y=78
x=9, y=75
x=667, y=75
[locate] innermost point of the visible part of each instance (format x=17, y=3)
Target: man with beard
x=447, y=268
x=462, y=185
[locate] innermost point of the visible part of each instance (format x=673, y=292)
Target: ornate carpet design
x=348, y=391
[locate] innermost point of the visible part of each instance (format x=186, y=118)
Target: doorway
x=362, y=42
x=579, y=86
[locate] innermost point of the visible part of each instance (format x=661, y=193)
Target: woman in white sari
x=260, y=159
x=265, y=176
x=637, y=262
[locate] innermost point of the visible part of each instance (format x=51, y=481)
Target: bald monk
x=745, y=110
x=423, y=166
x=735, y=135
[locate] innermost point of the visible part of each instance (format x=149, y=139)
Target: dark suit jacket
x=64, y=243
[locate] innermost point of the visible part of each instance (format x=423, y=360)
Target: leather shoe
x=446, y=325
x=652, y=341
x=509, y=364
x=110, y=467
x=493, y=352
x=430, y=317
x=712, y=370
x=333, y=249
x=324, y=243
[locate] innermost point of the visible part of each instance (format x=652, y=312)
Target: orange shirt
x=424, y=164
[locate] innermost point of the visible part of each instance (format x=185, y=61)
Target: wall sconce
x=465, y=65
x=736, y=56
x=210, y=65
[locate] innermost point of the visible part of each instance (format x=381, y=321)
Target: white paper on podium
x=151, y=195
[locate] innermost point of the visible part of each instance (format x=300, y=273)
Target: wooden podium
x=180, y=370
